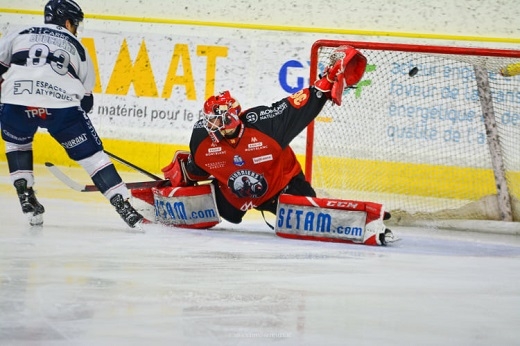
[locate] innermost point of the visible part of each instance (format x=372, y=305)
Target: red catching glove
x=347, y=66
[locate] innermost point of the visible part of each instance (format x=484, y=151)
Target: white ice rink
x=84, y=279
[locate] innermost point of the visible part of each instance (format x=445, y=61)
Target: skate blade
x=35, y=220
x=390, y=237
x=138, y=228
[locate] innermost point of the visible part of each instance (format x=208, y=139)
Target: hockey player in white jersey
x=47, y=78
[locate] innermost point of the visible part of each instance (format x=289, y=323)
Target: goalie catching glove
x=346, y=68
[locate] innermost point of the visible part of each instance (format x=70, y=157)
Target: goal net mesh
x=412, y=134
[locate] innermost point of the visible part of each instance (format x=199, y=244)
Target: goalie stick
x=89, y=188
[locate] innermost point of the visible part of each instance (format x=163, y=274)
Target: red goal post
x=432, y=132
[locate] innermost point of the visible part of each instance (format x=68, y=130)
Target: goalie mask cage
x=431, y=132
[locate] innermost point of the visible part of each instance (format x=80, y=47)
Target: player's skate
x=126, y=211
x=30, y=205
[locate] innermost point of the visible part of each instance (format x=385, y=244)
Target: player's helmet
x=221, y=113
x=58, y=11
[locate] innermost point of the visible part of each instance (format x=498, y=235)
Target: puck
x=413, y=71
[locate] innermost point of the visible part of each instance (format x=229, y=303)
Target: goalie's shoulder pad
x=187, y=207
x=333, y=220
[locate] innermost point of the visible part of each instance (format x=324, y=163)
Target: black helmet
x=58, y=11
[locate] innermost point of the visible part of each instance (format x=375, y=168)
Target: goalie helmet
x=59, y=11
x=221, y=113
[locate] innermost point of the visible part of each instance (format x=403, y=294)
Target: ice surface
x=84, y=279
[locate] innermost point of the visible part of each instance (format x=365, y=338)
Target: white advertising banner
x=152, y=87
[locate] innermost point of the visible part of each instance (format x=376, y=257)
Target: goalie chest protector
x=331, y=220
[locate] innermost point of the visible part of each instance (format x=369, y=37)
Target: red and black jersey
x=259, y=163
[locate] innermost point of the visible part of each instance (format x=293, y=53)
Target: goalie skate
x=388, y=237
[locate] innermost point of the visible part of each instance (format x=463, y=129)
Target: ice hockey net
x=431, y=132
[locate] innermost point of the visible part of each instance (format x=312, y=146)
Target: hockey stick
x=131, y=165
x=89, y=188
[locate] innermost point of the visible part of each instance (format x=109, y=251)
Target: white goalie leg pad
x=143, y=201
x=187, y=207
x=332, y=220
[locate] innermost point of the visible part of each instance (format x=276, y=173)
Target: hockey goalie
x=241, y=160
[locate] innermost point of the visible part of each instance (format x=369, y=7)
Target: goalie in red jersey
x=247, y=159
x=246, y=154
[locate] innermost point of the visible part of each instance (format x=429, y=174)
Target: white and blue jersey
x=47, y=77
x=44, y=66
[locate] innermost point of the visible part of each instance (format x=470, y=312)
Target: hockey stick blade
x=90, y=188
x=66, y=179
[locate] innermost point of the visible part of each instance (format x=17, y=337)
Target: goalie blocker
x=332, y=220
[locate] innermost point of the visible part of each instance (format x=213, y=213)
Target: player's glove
x=87, y=102
x=178, y=173
x=346, y=68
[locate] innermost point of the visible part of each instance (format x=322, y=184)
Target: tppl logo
x=294, y=76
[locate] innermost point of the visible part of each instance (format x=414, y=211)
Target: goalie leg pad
x=186, y=207
x=332, y=220
x=143, y=202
